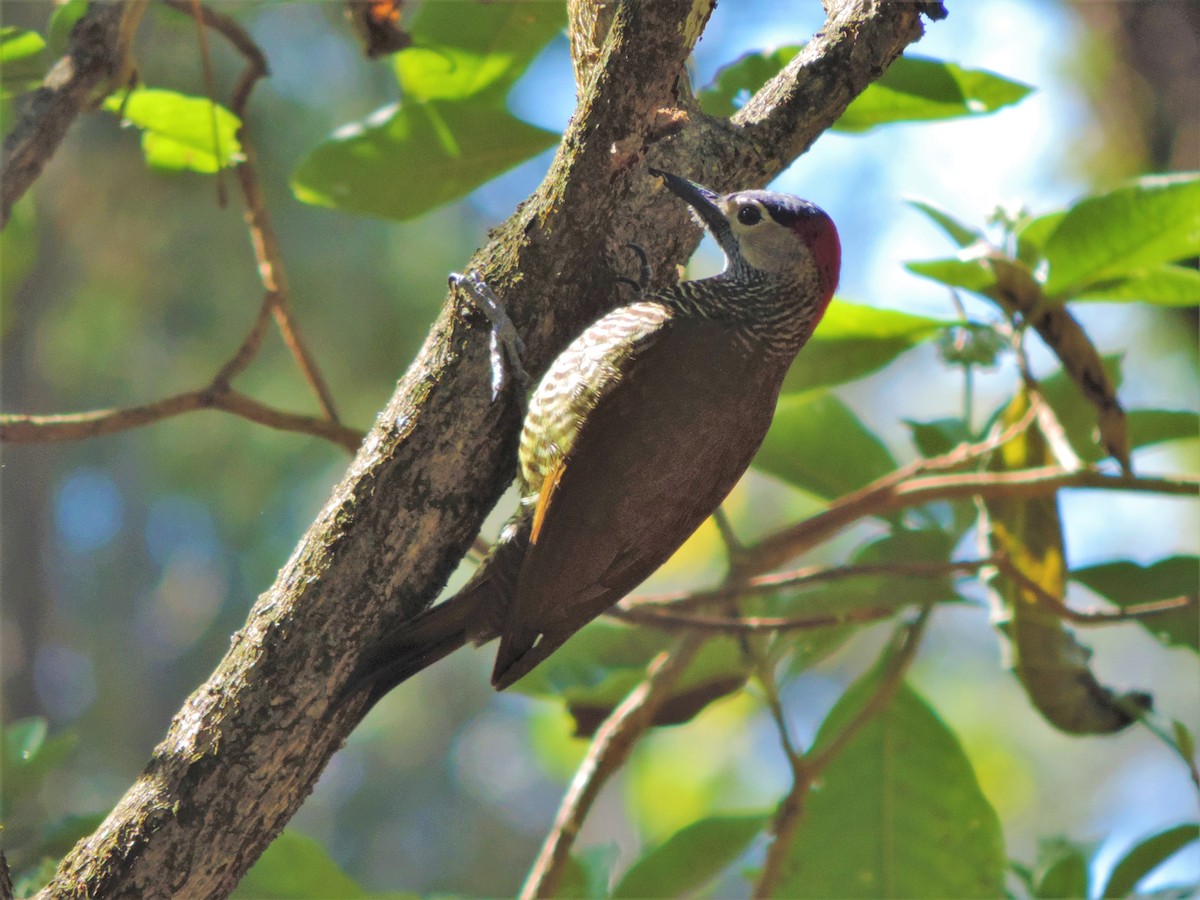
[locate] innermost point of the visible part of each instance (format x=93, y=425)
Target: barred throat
x=768, y=314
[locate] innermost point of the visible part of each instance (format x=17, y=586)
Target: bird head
x=776, y=234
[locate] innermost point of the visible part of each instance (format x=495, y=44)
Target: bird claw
x=645, y=273
x=506, y=346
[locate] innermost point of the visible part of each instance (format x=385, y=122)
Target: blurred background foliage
x=129, y=560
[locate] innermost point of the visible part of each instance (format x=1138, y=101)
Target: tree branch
x=782, y=581
x=218, y=394
x=608, y=751
x=808, y=769
x=887, y=495
x=97, y=56
x=22, y=429
x=247, y=747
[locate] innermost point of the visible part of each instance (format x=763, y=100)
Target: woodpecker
x=633, y=437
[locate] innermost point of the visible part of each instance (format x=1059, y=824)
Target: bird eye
x=749, y=215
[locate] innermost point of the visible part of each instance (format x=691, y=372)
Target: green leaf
x=899, y=812
x=912, y=545
x=934, y=439
x=421, y=156
x=915, y=89
x=1154, y=426
x=62, y=20
x=587, y=873
x=902, y=545
x=17, y=44
x=18, y=252
x=1037, y=230
x=29, y=757
x=862, y=592
x=1053, y=667
x=296, y=867
x=1183, y=739
x=22, y=62
x=959, y=233
x=1032, y=234
x=1145, y=426
x=798, y=446
x=595, y=670
x=32, y=879
x=1024, y=874
x=178, y=129
x=737, y=81
x=912, y=89
x=23, y=741
x=853, y=341
x=1162, y=285
x=1147, y=856
x=967, y=274
x=60, y=836
x=691, y=857
x=1062, y=869
x=939, y=436
x=451, y=132
x=599, y=664
x=1078, y=418
x=1127, y=584
x=1139, y=226
x=462, y=50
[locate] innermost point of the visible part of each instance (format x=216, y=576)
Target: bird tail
x=473, y=615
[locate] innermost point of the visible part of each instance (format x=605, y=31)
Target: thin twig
x=671, y=620
x=232, y=31
x=211, y=90
x=787, y=817
x=733, y=545
x=263, y=238
x=814, y=763
x=764, y=670
x=790, y=543
x=1134, y=611
x=248, y=349
x=888, y=495
x=906, y=650
x=667, y=611
x=219, y=394
x=810, y=575
x=23, y=429
x=274, y=278
x=608, y=751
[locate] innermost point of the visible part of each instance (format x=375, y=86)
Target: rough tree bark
x=248, y=745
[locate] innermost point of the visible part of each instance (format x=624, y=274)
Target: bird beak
x=701, y=199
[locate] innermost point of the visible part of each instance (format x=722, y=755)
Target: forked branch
x=246, y=748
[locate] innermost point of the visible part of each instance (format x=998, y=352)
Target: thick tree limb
x=247, y=747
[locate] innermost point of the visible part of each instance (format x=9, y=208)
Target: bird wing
x=662, y=447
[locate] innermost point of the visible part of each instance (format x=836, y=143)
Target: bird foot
x=645, y=273
x=506, y=343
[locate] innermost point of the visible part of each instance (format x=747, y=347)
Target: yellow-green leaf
x=178, y=131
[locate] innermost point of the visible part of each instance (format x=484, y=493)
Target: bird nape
x=633, y=437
